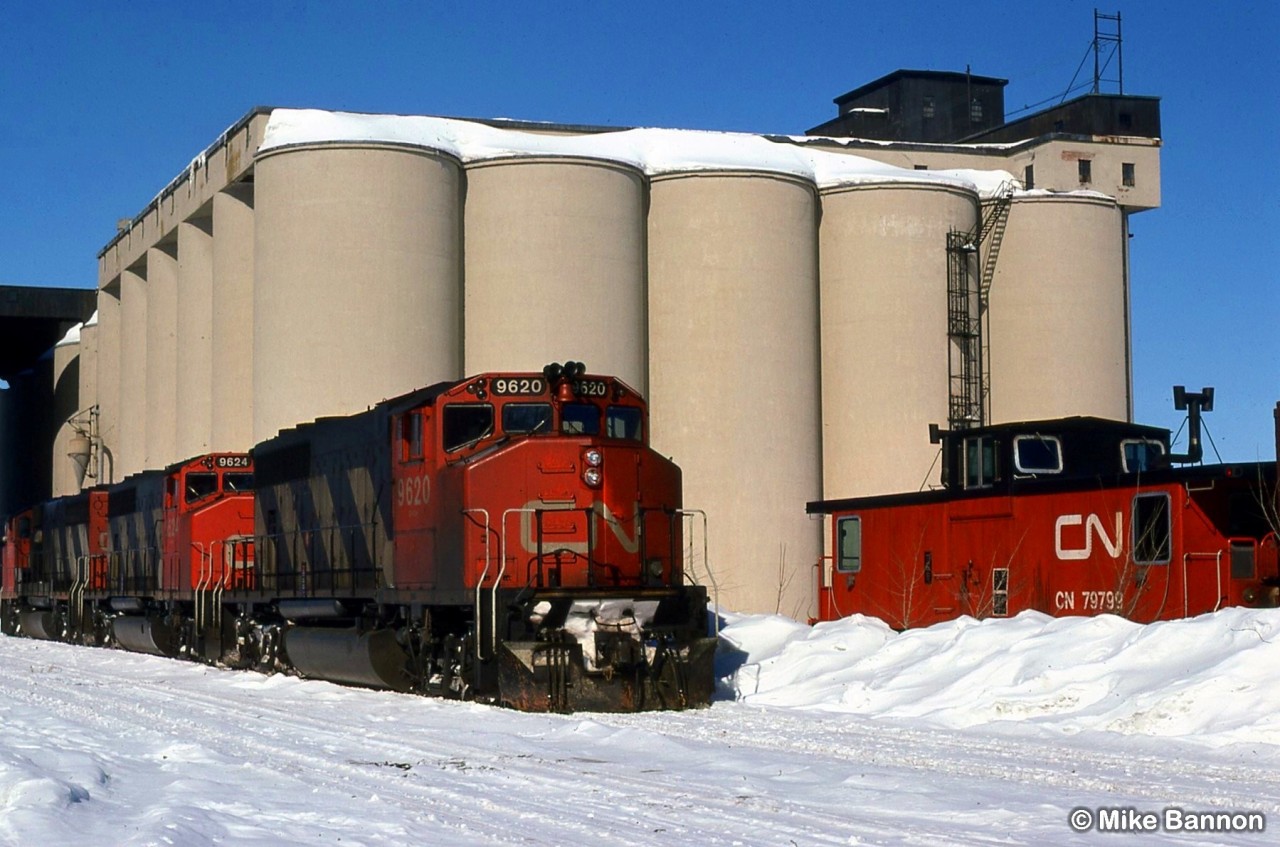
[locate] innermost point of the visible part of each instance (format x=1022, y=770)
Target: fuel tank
x=42, y=625
x=141, y=634
x=372, y=658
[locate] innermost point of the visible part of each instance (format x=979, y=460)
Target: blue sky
x=101, y=104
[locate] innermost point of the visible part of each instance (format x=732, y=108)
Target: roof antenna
x=1194, y=404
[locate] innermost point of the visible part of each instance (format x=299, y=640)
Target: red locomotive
x=508, y=537
x=1075, y=516
x=129, y=563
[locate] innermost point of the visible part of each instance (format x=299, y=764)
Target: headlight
x=592, y=477
x=593, y=457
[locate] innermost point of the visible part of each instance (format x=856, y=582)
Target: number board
x=592, y=388
x=516, y=386
x=233, y=462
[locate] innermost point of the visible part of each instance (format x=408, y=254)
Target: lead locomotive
x=507, y=537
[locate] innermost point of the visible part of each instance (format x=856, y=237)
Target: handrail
x=76, y=599
x=497, y=582
x=216, y=606
x=706, y=562
x=1217, y=569
x=200, y=584
x=484, y=573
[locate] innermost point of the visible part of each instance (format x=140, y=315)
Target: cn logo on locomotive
x=1092, y=526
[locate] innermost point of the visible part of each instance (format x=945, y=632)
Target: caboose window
x=201, y=485
x=979, y=462
x=1037, y=454
x=623, y=422
x=580, y=419
x=849, y=533
x=466, y=423
x=1140, y=454
x=519, y=418
x=1151, y=529
x=410, y=436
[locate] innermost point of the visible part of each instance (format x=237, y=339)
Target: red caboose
x=1074, y=516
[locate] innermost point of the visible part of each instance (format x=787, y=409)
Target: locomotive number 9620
x=519, y=385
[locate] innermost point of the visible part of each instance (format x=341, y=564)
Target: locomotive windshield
x=580, y=419
x=466, y=423
x=201, y=485
x=520, y=418
x=237, y=482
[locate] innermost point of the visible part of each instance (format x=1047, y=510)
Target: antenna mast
x=1111, y=35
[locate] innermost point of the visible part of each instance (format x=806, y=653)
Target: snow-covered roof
x=72, y=336
x=653, y=151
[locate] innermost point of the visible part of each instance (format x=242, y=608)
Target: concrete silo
x=131, y=421
x=194, y=342
x=356, y=278
x=108, y=378
x=66, y=402
x=1059, y=311
x=161, y=421
x=89, y=391
x=231, y=322
x=734, y=374
x=883, y=260
x=555, y=259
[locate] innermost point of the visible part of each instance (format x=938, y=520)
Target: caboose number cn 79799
x=507, y=537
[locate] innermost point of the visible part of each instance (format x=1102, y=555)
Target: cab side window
x=466, y=423
x=623, y=422
x=410, y=436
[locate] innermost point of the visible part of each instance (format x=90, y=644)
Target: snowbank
x=1214, y=679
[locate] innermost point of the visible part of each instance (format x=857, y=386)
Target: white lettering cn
x=1093, y=526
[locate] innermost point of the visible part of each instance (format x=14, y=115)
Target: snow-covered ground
x=847, y=733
